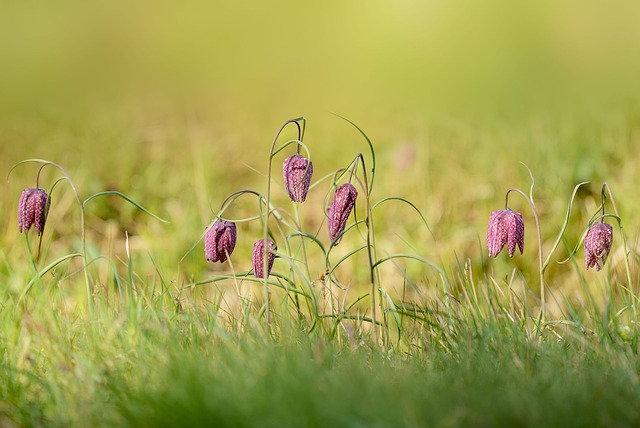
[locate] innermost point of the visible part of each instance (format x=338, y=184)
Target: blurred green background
x=176, y=104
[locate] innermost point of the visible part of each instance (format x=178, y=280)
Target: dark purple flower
x=297, y=171
x=343, y=202
x=219, y=241
x=258, y=257
x=32, y=210
x=505, y=227
x=597, y=245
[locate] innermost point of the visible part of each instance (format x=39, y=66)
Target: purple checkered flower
x=219, y=241
x=505, y=227
x=258, y=257
x=297, y=171
x=32, y=210
x=343, y=202
x=597, y=245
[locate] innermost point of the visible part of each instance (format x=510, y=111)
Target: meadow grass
x=120, y=321
x=457, y=345
x=159, y=341
x=152, y=367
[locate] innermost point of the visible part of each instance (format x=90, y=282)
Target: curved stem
x=606, y=186
x=304, y=252
x=38, y=175
x=33, y=260
x=371, y=149
x=374, y=277
x=540, y=257
x=564, y=226
x=301, y=132
x=85, y=256
x=232, y=197
x=265, y=234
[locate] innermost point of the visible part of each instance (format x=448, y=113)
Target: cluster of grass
x=152, y=367
x=94, y=339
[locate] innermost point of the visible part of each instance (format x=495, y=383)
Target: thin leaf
x=564, y=226
x=127, y=198
x=420, y=259
x=373, y=152
x=398, y=198
x=246, y=276
x=362, y=247
x=584, y=234
x=46, y=269
x=308, y=236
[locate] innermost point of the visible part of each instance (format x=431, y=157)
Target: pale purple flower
x=258, y=257
x=297, y=171
x=32, y=210
x=343, y=202
x=219, y=241
x=597, y=245
x=505, y=227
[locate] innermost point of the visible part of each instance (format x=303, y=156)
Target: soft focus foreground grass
x=187, y=371
x=176, y=107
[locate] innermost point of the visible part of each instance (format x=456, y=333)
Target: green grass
x=186, y=369
x=175, y=107
x=488, y=381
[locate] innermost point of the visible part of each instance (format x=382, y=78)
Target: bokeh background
x=175, y=104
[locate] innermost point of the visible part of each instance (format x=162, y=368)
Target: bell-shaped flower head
x=219, y=241
x=505, y=227
x=297, y=171
x=597, y=244
x=343, y=202
x=258, y=257
x=32, y=210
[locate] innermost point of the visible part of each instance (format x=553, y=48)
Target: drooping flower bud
x=258, y=257
x=32, y=210
x=505, y=227
x=297, y=171
x=597, y=245
x=343, y=202
x=219, y=241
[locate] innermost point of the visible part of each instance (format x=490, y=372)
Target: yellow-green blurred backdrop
x=175, y=103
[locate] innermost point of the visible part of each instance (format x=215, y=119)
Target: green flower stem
x=32, y=259
x=542, y=316
x=630, y=286
x=374, y=274
x=85, y=257
x=265, y=234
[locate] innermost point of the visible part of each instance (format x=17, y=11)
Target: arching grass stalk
x=44, y=271
x=132, y=202
x=265, y=234
x=564, y=226
x=445, y=281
